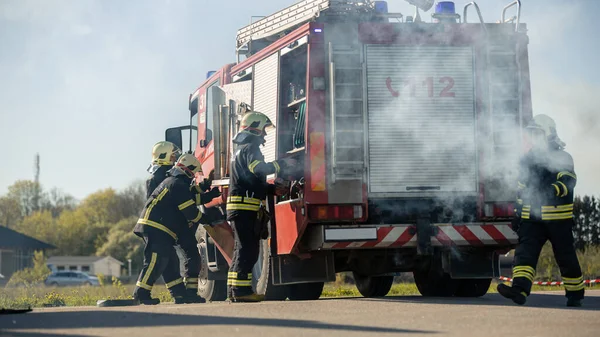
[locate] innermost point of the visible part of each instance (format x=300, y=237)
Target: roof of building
x=79, y=259
x=13, y=239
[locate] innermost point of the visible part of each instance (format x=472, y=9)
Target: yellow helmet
x=253, y=123
x=165, y=153
x=542, y=131
x=189, y=164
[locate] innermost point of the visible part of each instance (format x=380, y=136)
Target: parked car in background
x=71, y=278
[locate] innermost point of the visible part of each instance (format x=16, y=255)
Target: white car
x=71, y=278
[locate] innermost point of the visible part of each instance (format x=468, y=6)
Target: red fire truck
x=407, y=134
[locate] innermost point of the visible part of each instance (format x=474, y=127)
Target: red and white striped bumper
x=399, y=236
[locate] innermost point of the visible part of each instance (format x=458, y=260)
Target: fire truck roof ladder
x=291, y=17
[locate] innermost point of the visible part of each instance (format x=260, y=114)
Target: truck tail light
x=335, y=212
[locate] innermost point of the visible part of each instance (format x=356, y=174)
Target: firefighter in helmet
x=545, y=212
x=248, y=190
x=164, y=155
x=168, y=212
x=191, y=259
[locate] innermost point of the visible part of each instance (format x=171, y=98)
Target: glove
x=516, y=223
x=282, y=187
x=261, y=227
x=213, y=193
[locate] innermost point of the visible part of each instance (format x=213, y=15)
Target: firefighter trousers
x=245, y=254
x=190, y=259
x=532, y=237
x=160, y=259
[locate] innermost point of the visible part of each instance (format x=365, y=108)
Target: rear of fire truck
x=407, y=133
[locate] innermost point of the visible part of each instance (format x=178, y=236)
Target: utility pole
x=38, y=190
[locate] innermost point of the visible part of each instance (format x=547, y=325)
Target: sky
x=91, y=85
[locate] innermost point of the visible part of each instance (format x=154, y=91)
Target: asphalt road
x=544, y=315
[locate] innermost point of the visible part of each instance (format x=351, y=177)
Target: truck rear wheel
x=305, y=291
x=473, y=287
x=210, y=290
x=373, y=286
x=433, y=281
x=261, y=276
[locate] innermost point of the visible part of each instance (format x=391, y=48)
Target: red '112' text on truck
x=407, y=136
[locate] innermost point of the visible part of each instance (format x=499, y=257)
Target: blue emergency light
x=210, y=73
x=381, y=6
x=445, y=8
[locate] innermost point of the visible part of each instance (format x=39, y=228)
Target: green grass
x=39, y=297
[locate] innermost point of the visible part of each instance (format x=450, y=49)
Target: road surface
x=545, y=315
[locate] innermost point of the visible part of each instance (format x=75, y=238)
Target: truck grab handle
x=478, y=14
x=518, y=3
x=332, y=110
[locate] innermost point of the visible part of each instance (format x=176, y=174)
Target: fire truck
x=407, y=136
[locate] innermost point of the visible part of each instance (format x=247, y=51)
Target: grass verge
x=39, y=297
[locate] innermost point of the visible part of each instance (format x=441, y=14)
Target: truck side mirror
x=174, y=136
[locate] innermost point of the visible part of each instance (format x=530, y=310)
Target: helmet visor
x=537, y=137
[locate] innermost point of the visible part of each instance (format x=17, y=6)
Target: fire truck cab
x=407, y=135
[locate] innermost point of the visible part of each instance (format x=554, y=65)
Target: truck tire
x=432, y=281
x=210, y=290
x=373, y=286
x=305, y=291
x=261, y=276
x=473, y=287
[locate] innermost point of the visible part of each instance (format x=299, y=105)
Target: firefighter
x=191, y=259
x=164, y=155
x=248, y=189
x=545, y=212
x=167, y=212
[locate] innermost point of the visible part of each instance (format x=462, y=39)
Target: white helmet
x=542, y=130
x=189, y=165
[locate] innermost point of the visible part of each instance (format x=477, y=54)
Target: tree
x=10, y=212
x=123, y=244
x=26, y=193
x=57, y=201
x=42, y=226
x=132, y=199
x=586, y=212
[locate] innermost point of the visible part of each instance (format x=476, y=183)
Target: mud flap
x=424, y=233
x=289, y=269
x=117, y=303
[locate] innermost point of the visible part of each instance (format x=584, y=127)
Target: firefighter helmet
x=189, y=165
x=165, y=153
x=255, y=124
x=542, y=130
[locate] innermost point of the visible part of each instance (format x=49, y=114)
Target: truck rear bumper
x=332, y=237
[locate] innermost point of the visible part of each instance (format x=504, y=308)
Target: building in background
x=93, y=265
x=16, y=252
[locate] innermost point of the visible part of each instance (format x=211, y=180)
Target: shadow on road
x=34, y=334
x=128, y=319
x=536, y=300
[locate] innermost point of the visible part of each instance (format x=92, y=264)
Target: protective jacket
x=545, y=188
x=157, y=177
x=170, y=209
x=248, y=183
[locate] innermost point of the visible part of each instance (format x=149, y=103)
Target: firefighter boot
x=249, y=298
x=142, y=296
x=192, y=296
x=573, y=302
x=516, y=295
